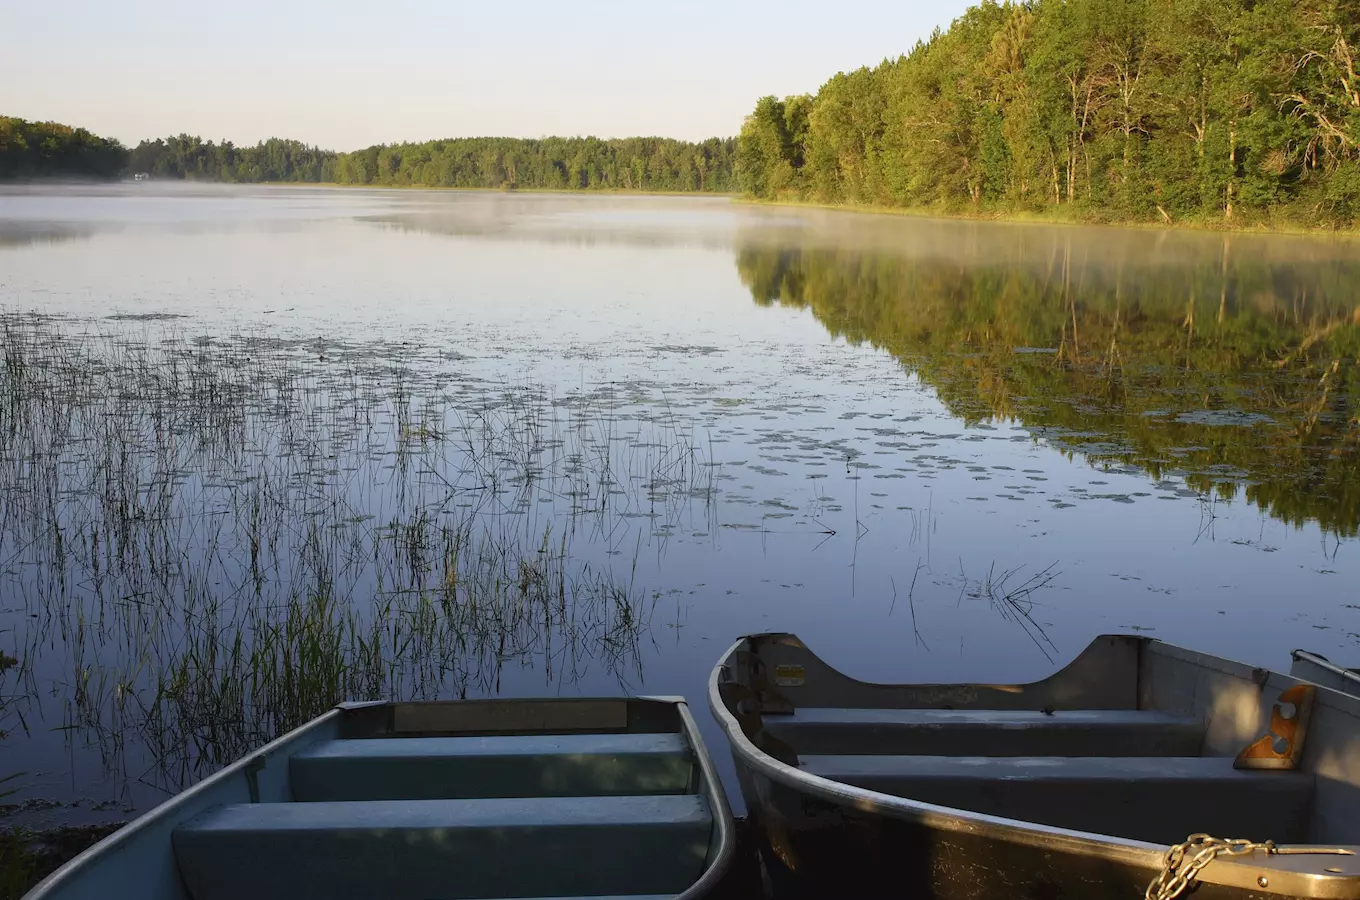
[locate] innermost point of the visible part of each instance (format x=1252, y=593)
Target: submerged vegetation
x=1229, y=111
x=205, y=542
x=1217, y=365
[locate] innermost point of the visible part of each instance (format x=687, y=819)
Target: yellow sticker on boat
x=788, y=676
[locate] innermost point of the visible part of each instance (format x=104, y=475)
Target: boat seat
x=446, y=849
x=949, y=732
x=573, y=765
x=1158, y=799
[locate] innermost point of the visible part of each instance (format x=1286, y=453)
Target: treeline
x=639, y=164
x=189, y=157
x=51, y=150
x=1112, y=109
x=642, y=164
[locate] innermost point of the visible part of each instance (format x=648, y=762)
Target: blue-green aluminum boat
x=462, y=800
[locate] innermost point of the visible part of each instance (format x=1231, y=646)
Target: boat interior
x=482, y=799
x=1134, y=739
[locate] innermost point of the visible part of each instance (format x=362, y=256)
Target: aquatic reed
x=210, y=539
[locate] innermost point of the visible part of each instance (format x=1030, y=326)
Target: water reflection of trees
x=1226, y=367
x=17, y=233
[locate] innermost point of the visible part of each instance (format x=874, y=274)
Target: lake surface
x=267, y=448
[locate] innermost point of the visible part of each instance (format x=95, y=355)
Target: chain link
x=1186, y=860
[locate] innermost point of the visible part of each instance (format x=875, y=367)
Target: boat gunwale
x=721, y=810
x=1233, y=872
x=1348, y=676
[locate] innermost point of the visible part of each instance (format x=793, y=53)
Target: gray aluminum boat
x=418, y=801
x=1075, y=786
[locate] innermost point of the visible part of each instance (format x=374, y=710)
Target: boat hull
x=813, y=847
x=821, y=837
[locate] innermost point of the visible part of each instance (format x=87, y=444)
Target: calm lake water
x=267, y=448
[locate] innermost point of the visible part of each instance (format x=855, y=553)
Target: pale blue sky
x=346, y=74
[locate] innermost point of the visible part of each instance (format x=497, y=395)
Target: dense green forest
x=651, y=164
x=186, y=156
x=648, y=164
x=1161, y=110
x=35, y=150
x=1217, y=366
x=50, y=150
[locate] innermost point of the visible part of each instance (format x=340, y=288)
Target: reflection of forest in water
x=1230, y=362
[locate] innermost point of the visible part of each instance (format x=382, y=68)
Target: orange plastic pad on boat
x=1282, y=746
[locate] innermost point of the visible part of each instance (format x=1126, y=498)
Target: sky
x=345, y=74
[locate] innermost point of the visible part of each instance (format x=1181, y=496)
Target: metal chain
x=1186, y=860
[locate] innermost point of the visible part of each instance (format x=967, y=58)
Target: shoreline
x=1001, y=218
x=204, y=182
x=1052, y=219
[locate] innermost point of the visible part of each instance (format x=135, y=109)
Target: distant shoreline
x=485, y=190
x=382, y=187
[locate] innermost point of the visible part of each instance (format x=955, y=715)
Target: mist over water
x=266, y=448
